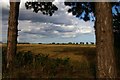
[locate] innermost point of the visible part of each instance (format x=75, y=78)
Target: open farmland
x=74, y=52
x=53, y=61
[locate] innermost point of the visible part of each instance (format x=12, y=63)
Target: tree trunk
x=106, y=66
x=12, y=32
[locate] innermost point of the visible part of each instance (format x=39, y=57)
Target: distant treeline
x=60, y=43
x=92, y=43
x=24, y=43
x=74, y=43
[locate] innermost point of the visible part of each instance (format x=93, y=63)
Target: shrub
x=23, y=58
x=53, y=42
x=41, y=59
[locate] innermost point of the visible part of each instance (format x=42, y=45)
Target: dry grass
x=80, y=53
x=80, y=56
x=80, y=59
x=74, y=52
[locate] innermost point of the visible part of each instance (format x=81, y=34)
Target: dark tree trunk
x=12, y=32
x=106, y=66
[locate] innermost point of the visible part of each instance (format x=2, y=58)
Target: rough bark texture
x=106, y=67
x=12, y=32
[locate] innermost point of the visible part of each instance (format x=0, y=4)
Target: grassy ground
x=74, y=52
x=56, y=61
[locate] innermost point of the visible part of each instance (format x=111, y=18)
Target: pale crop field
x=74, y=52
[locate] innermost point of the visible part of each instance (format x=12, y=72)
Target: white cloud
x=69, y=36
x=86, y=30
x=36, y=27
x=52, y=30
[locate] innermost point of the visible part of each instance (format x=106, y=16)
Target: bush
x=23, y=58
x=53, y=42
x=41, y=65
x=41, y=59
x=69, y=42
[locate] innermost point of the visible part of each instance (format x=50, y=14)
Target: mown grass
x=52, y=61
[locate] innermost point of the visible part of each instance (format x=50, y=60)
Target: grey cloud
x=39, y=17
x=4, y=31
x=36, y=26
x=25, y=14
x=48, y=30
x=5, y=13
x=59, y=17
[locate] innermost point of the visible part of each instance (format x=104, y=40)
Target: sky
x=62, y=27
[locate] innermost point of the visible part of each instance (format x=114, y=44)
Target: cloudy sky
x=36, y=27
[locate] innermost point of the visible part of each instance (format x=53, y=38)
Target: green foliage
x=116, y=28
x=47, y=8
x=53, y=42
x=23, y=58
x=25, y=64
x=41, y=59
x=78, y=8
x=69, y=42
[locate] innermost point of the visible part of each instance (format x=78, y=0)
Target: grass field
x=74, y=52
x=71, y=61
x=54, y=61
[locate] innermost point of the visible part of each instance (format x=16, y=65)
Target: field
x=53, y=61
x=74, y=52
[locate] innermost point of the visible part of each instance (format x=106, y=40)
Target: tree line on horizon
x=59, y=43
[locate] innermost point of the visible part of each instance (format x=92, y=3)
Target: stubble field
x=74, y=52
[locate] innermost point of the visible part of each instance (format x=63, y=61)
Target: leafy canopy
x=47, y=8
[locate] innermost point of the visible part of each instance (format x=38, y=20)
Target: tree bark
x=106, y=65
x=12, y=32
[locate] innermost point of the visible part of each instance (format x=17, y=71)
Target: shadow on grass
x=27, y=65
